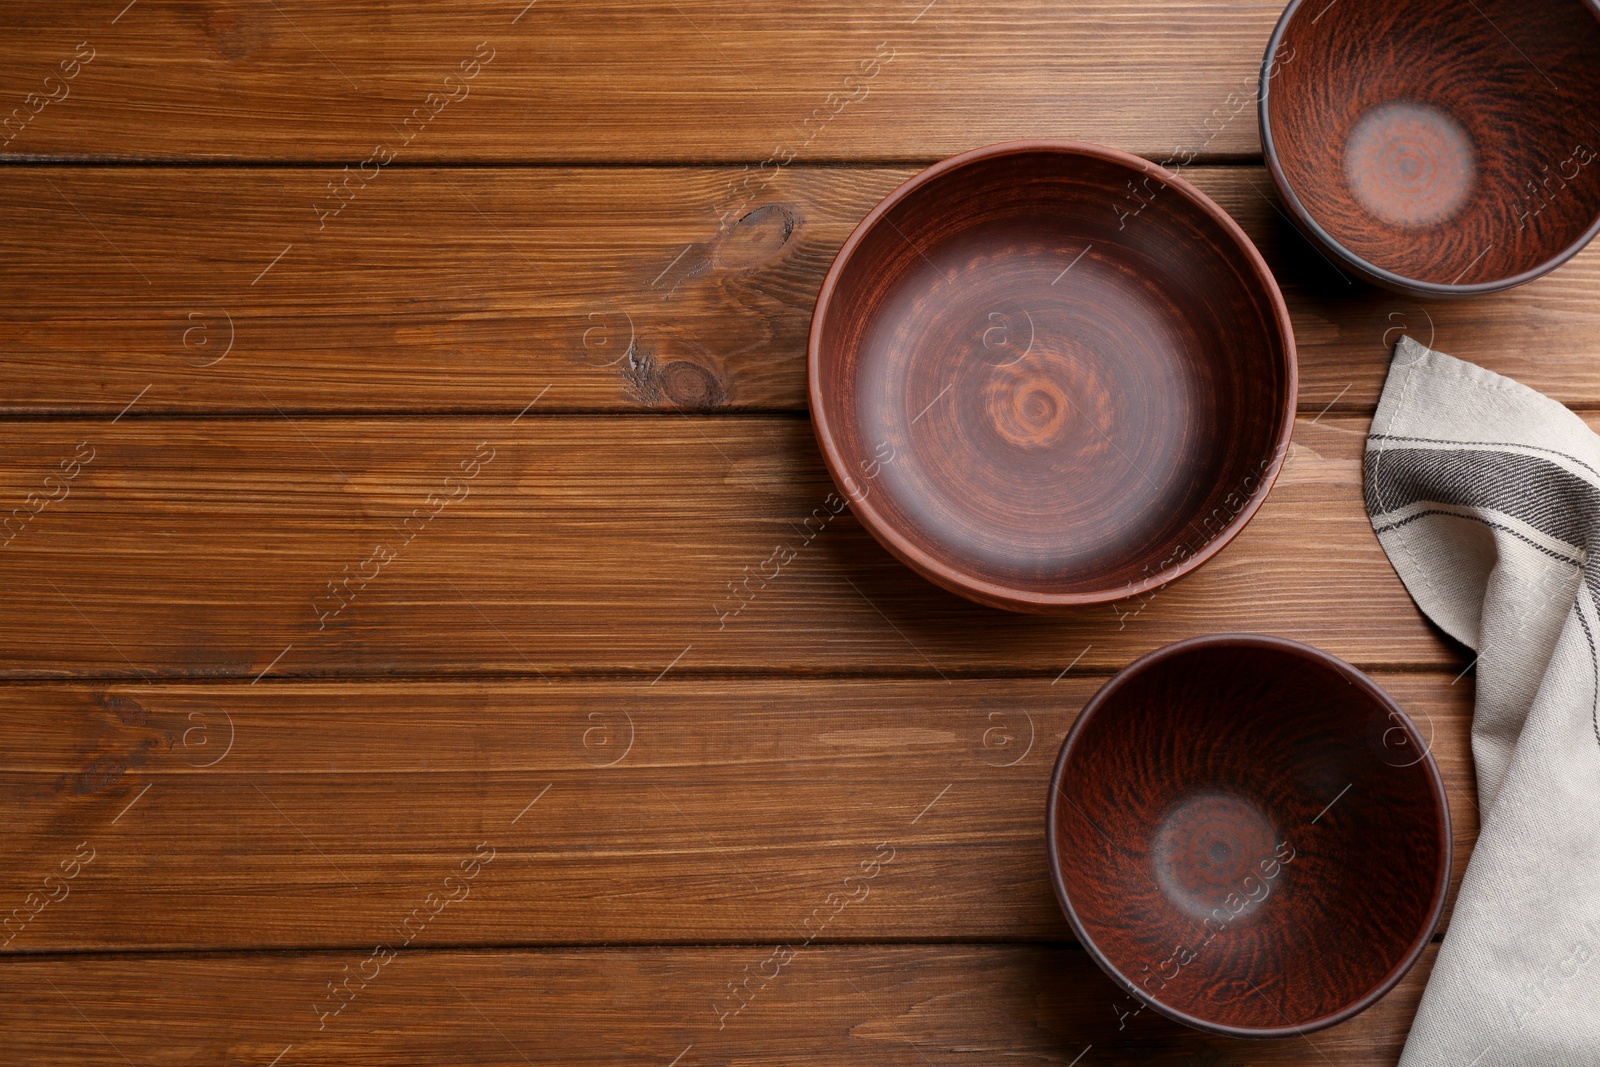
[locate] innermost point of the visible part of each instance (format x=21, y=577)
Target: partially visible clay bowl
x=1049, y=374
x=1438, y=147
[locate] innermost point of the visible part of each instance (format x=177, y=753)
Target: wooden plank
x=910, y=1005
x=289, y=814
x=474, y=290
x=613, y=80
x=230, y=548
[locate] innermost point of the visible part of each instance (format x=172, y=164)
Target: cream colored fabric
x=1486, y=497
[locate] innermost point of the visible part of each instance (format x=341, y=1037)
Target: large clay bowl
x=1249, y=836
x=1438, y=147
x=1049, y=374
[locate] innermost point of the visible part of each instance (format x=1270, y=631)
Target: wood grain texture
x=459, y=622
x=522, y=279
x=207, y=548
x=290, y=814
x=910, y=1005
x=692, y=80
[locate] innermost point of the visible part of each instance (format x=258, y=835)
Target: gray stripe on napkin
x=1536, y=491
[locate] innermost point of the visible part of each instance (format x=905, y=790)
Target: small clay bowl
x=1049, y=374
x=1437, y=147
x=1249, y=836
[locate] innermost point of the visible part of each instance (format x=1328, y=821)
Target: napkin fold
x=1486, y=497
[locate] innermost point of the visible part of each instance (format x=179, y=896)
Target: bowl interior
x=1250, y=834
x=1451, y=142
x=1051, y=372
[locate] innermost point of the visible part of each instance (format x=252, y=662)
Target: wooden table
x=402, y=404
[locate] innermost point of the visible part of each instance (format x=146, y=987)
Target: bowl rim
x=1373, y=272
x=1013, y=597
x=1442, y=825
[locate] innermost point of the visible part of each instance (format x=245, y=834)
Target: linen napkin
x=1486, y=497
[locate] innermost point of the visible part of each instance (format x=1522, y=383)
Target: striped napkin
x=1486, y=497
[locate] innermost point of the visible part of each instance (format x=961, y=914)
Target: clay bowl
x=1249, y=836
x=1049, y=374
x=1438, y=147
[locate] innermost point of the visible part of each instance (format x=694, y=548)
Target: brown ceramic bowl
x=1438, y=147
x=1249, y=836
x=1049, y=374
